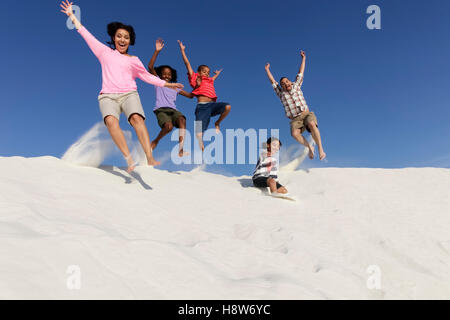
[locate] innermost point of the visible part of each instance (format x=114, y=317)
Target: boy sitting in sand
x=265, y=174
x=297, y=110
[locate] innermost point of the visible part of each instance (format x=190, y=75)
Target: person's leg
x=199, y=136
x=202, y=119
x=167, y=127
x=281, y=189
x=312, y=125
x=112, y=123
x=181, y=122
x=163, y=115
x=272, y=185
x=138, y=123
x=132, y=107
x=223, y=115
x=297, y=135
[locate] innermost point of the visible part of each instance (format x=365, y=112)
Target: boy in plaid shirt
x=296, y=109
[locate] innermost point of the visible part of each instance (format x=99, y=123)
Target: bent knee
x=227, y=108
x=111, y=121
x=136, y=119
x=168, y=126
x=295, y=133
x=311, y=125
x=282, y=190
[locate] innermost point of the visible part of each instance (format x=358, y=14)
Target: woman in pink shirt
x=119, y=90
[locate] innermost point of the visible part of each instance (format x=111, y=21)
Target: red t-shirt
x=206, y=88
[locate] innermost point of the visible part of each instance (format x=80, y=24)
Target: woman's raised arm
x=96, y=46
x=67, y=9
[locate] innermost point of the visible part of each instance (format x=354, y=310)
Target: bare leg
x=200, y=141
x=282, y=190
x=116, y=133
x=316, y=136
x=272, y=185
x=164, y=131
x=182, y=132
x=296, y=134
x=222, y=116
x=141, y=131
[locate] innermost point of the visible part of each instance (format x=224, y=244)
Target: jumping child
x=297, y=110
x=207, y=105
x=265, y=174
x=165, y=110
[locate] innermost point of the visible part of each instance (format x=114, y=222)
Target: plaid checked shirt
x=293, y=101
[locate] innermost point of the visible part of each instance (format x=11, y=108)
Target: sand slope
x=197, y=235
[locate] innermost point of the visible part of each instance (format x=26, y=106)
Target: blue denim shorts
x=205, y=111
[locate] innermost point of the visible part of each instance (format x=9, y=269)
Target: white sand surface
x=197, y=235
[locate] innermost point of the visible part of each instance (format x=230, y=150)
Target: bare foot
x=322, y=155
x=182, y=153
x=153, y=162
x=311, y=152
x=131, y=164
x=217, y=125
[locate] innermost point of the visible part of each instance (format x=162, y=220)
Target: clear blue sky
x=381, y=96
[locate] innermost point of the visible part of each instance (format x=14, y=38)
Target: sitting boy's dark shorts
x=261, y=182
x=166, y=114
x=205, y=111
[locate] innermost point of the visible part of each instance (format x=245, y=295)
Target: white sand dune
x=197, y=235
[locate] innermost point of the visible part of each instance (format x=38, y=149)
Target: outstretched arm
x=140, y=72
x=159, y=45
x=186, y=94
x=67, y=9
x=185, y=59
x=216, y=74
x=269, y=74
x=96, y=46
x=275, y=85
x=302, y=66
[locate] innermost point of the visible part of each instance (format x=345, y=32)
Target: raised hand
x=182, y=46
x=217, y=72
x=66, y=7
x=267, y=67
x=302, y=53
x=159, y=44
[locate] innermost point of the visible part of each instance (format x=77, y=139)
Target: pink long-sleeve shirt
x=119, y=71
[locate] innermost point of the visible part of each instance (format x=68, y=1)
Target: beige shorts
x=113, y=104
x=301, y=121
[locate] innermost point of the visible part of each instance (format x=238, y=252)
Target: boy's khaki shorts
x=300, y=122
x=113, y=104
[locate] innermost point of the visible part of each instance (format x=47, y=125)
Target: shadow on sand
x=248, y=183
x=128, y=179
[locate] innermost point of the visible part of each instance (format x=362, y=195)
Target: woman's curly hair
x=112, y=29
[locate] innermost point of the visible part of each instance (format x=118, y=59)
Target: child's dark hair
x=160, y=69
x=200, y=67
x=112, y=29
x=269, y=141
x=281, y=79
